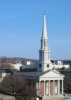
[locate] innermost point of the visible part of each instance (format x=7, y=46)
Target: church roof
x=52, y=72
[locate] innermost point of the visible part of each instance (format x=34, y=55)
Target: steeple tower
x=43, y=52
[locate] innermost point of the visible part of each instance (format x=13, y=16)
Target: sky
x=21, y=25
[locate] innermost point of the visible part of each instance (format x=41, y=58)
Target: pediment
x=51, y=73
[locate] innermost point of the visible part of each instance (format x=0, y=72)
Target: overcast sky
x=21, y=25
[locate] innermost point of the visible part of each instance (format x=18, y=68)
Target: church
x=50, y=81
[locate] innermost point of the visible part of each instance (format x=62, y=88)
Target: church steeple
x=44, y=37
x=44, y=28
x=43, y=52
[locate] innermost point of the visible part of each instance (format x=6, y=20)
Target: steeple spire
x=44, y=29
x=43, y=52
x=44, y=37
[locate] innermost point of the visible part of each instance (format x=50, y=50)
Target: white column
x=62, y=86
x=53, y=87
x=49, y=87
x=37, y=88
x=44, y=88
x=58, y=87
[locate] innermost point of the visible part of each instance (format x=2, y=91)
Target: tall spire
x=44, y=29
x=44, y=37
x=43, y=52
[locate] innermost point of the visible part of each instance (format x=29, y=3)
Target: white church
x=50, y=81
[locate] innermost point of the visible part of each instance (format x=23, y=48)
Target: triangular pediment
x=51, y=73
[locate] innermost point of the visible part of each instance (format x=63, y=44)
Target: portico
x=50, y=84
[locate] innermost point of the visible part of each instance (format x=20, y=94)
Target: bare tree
x=14, y=85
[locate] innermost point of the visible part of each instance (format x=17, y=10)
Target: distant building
x=16, y=66
x=3, y=74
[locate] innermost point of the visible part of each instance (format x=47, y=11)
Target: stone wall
x=6, y=97
x=53, y=98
